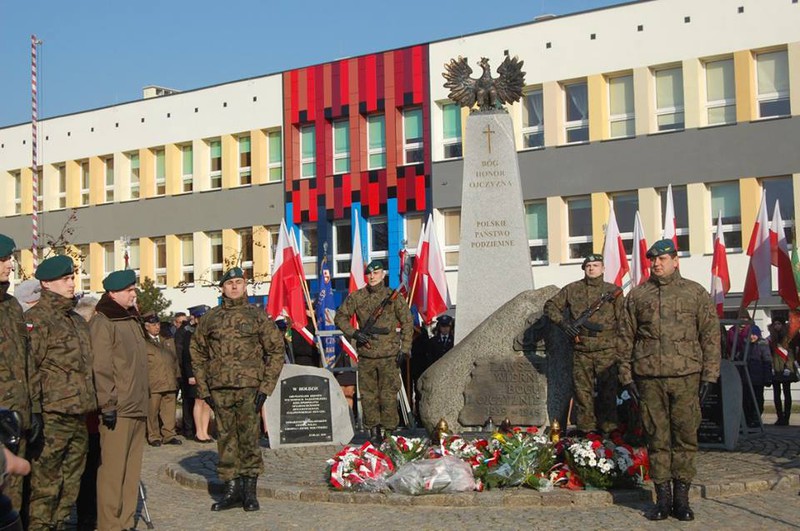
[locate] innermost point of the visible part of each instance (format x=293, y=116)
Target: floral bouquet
x=359, y=468
x=593, y=462
x=402, y=450
x=470, y=451
x=524, y=458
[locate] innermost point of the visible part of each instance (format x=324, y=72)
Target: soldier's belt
x=599, y=333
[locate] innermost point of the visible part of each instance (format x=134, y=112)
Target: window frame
x=215, y=268
x=214, y=176
x=308, y=165
x=450, y=249
x=537, y=242
x=772, y=97
x=340, y=156
x=16, y=178
x=673, y=110
x=135, y=175
x=109, y=188
x=625, y=117
x=246, y=265
x=454, y=143
x=61, y=196
x=245, y=160
x=531, y=131
x=160, y=272
x=187, y=270
x=374, y=253
x=309, y=259
x=727, y=228
x=85, y=182
x=380, y=150
x=578, y=242
x=159, y=176
x=580, y=125
x=681, y=231
x=413, y=145
x=272, y=164
x=187, y=179
x=337, y=256
x=725, y=103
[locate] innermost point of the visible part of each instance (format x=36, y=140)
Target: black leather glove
x=401, y=358
x=259, y=401
x=361, y=337
x=109, y=419
x=210, y=401
x=37, y=428
x=571, y=330
x=705, y=387
x=633, y=391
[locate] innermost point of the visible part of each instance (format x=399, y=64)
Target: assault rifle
x=582, y=321
x=368, y=331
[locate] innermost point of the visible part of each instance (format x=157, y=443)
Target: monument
x=494, y=257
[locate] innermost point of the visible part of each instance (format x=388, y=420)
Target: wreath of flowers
x=359, y=468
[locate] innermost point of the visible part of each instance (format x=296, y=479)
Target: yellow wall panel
x=556, y=230
x=745, y=77
x=230, y=161
x=261, y=243
x=698, y=204
x=73, y=183
x=258, y=156
x=96, y=266
x=600, y=212
x=597, y=88
x=174, y=275
x=553, y=98
x=97, y=181
x=230, y=249
x=26, y=175
x=147, y=173
x=147, y=259
x=172, y=163
x=750, y=199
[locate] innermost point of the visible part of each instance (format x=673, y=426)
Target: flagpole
x=310, y=308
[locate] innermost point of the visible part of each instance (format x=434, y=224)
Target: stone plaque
x=509, y=386
x=722, y=413
x=307, y=407
x=494, y=257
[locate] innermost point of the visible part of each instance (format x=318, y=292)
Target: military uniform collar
x=56, y=301
x=375, y=289
x=664, y=281
x=234, y=303
x=3, y=289
x=594, y=282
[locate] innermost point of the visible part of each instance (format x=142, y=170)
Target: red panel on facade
x=344, y=83
x=293, y=79
x=370, y=78
x=416, y=74
x=296, y=203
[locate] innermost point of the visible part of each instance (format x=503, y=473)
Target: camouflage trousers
x=671, y=417
x=162, y=406
x=56, y=475
x=378, y=383
x=238, y=426
x=14, y=484
x=590, y=371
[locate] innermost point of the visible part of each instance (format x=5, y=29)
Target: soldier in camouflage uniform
x=380, y=350
x=14, y=361
x=669, y=333
x=595, y=361
x=237, y=355
x=63, y=389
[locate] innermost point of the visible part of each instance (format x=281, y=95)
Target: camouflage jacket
x=162, y=365
x=236, y=346
x=362, y=303
x=61, y=350
x=14, y=357
x=574, y=299
x=669, y=328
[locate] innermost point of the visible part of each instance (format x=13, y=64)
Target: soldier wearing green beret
x=63, y=393
x=380, y=352
x=669, y=337
x=14, y=363
x=237, y=355
x=123, y=397
x=595, y=360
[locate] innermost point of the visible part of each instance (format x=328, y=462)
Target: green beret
x=119, y=280
x=591, y=258
x=7, y=246
x=234, y=272
x=54, y=268
x=374, y=266
x=661, y=247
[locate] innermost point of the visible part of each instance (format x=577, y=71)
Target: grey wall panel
x=201, y=211
x=753, y=149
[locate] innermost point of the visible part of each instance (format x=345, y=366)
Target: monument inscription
x=305, y=410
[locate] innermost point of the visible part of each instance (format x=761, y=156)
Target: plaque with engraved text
x=305, y=410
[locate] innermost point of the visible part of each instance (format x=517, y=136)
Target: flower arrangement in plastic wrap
x=402, y=450
x=601, y=464
x=523, y=458
x=359, y=468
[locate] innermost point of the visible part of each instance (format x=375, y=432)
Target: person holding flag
x=325, y=311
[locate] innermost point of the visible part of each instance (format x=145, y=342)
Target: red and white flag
x=615, y=258
x=286, y=294
x=758, y=279
x=357, y=278
x=640, y=270
x=670, y=223
x=431, y=294
x=720, y=278
x=779, y=257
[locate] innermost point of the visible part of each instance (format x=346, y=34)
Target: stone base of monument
x=483, y=375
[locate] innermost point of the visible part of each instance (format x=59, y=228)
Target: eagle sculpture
x=488, y=92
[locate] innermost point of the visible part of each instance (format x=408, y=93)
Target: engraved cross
x=488, y=132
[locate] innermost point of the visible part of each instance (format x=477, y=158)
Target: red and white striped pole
x=34, y=152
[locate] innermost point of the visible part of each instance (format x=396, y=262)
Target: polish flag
x=286, y=293
x=640, y=271
x=757, y=282
x=779, y=257
x=670, y=223
x=431, y=295
x=615, y=258
x=720, y=278
x=357, y=278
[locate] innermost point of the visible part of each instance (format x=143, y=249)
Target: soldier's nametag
x=305, y=410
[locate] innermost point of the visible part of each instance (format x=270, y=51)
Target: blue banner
x=326, y=309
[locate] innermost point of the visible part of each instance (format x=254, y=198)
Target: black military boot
x=232, y=497
x=250, y=502
x=680, y=501
x=663, y=502
x=375, y=435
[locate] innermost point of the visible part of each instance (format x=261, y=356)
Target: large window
x=245, y=173
x=133, y=256
x=62, y=186
x=16, y=177
x=377, y=238
x=452, y=237
x=413, y=231
x=217, y=256
x=376, y=147
x=215, y=164
x=341, y=146
x=342, y=248
x=274, y=156
x=160, y=257
x=161, y=172
x=681, y=206
x=780, y=188
x=773, y=84
x=536, y=221
x=85, y=183
x=308, y=248
x=579, y=227
x=577, y=109
x=413, y=136
x=451, y=135
x=720, y=92
x=532, y=119
x=109, y=263
x=725, y=199
x=42, y=187
x=134, y=160
x=187, y=168
x=85, y=269
x=187, y=258
x=625, y=206
x=621, y=119
x=108, y=189
x=669, y=99
x=245, y=241
x=308, y=151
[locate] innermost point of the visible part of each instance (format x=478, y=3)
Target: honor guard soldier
x=15, y=365
x=595, y=348
x=670, y=344
x=237, y=356
x=163, y=374
x=380, y=349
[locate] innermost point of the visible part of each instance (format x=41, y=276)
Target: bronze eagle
x=488, y=92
